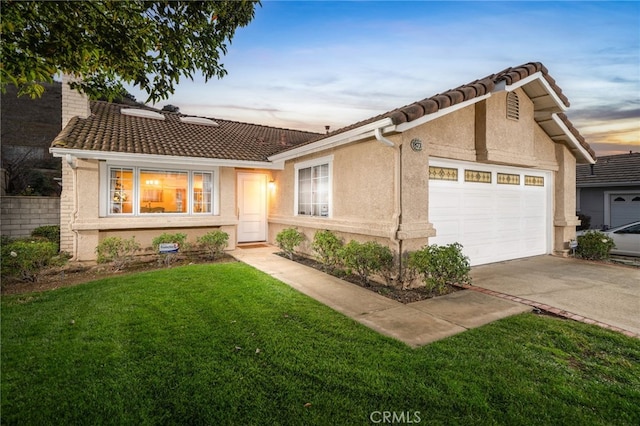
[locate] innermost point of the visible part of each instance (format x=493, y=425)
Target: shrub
x=5, y=239
x=327, y=247
x=214, y=243
x=180, y=238
x=117, y=251
x=366, y=258
x=48, y=232
x=441, y=265
x=594, y=245
x=24, y=259
x=288, y=239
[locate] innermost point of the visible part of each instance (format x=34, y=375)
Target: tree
x=150, y=44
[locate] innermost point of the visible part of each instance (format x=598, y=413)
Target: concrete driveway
x=606, y=293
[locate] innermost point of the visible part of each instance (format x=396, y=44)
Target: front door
x=252, y=207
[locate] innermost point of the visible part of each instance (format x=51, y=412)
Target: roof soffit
x=156, y=159
x=545, y=99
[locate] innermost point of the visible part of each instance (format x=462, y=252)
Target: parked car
x=625, y=237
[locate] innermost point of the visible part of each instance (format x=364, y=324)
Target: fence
x=21, y=215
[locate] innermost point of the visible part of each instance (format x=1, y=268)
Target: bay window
x=149, y=191
x=313, y=187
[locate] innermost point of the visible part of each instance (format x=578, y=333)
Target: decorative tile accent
x=533, y=180
x=443, y=173
x=477, y=176
x=508, y=179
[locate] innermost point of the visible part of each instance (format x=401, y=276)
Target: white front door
x=252, y=207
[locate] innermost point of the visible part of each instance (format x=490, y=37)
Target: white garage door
x=496, y=212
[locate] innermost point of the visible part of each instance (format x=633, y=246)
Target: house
x=490, y=164
x=608, y=192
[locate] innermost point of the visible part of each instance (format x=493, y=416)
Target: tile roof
x=618, y=169
x=577, y=134
x=110, y=131
x=467, y=92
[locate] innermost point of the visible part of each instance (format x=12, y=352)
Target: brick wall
x=66, y=209
x=21, y=215
x=73, y=102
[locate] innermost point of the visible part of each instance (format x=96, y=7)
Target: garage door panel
x=624, y=208
x=449, y=230
x=493, y=222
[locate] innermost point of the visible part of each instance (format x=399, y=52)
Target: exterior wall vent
x=513, y=106
x=143, y=113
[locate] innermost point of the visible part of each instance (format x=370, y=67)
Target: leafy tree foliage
x=150, y=44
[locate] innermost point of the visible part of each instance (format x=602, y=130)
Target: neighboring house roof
x=109, y=130
x=533, y=77
x=610, y=170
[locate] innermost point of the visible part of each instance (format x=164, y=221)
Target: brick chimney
x=73, y=103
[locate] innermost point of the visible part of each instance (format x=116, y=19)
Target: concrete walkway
x=415, y=323
x=595, y=293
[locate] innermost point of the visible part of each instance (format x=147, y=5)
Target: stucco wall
x=510, y=141
x=21, y=215
x=564, y=211
x=362, y=193
x=450, y=136
x=82, y=228
x=479, y=132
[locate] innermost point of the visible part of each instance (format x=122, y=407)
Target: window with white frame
x=313, y=187
x=149, y=191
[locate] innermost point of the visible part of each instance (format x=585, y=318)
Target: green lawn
x=225, y=344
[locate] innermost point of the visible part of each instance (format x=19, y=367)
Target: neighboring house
x=609, y=190
x=490, y=164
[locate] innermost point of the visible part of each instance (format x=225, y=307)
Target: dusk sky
x=304, y=65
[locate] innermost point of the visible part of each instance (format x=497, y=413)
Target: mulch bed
x=392, y=292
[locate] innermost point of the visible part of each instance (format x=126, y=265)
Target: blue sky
x=305, y=65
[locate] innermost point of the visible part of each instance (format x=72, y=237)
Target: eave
x=161, y=159
x=558, y=131
x=547, y=105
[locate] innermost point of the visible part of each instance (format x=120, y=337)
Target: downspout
x=397, y=208
x=74, y=213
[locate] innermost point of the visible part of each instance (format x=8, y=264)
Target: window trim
x=328, y=160
x=104, y=187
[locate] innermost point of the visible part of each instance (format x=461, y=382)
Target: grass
x=226, y=344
